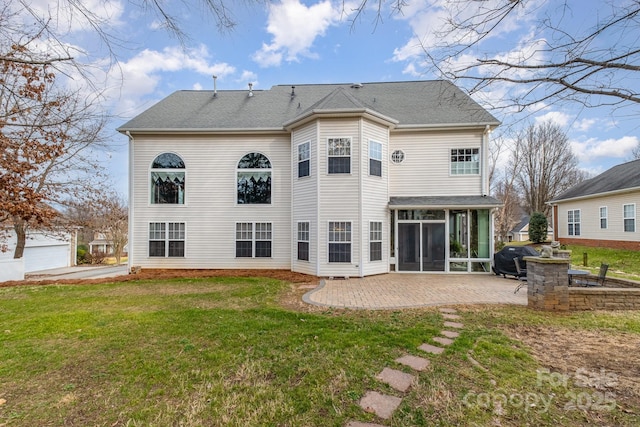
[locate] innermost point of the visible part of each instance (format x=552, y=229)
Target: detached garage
x=43, y=251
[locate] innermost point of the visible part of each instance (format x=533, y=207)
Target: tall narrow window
x=375, y=158
x=254, y=179
x=465, y=161
x=375, y=241
x=603, y=217
x=573, y=222
x=339, y=155
x=166, y=239
x=340, y=241
x=303, y=241
x=253, y=240
x=304, y=152
x=629, y=217
x=167, y=179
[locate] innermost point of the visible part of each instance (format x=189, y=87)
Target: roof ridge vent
x=356, y=85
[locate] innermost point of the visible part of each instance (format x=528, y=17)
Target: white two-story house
x=323, y=179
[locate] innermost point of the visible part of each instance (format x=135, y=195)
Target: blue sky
x=313, y=41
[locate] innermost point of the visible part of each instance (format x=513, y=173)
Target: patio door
x=421, y=246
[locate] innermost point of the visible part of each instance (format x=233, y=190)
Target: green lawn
x=226, y=352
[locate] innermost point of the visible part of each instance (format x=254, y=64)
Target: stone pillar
x=547, y=283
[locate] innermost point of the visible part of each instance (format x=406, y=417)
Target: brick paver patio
x=394, y=290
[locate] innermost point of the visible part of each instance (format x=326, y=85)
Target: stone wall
x=604, y=299
x=547, y=289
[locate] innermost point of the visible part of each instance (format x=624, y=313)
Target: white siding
x=339, y=195
x=426, y=167
x=305, y=200
x=210, y=211
x=590, y=217
x=375, y=198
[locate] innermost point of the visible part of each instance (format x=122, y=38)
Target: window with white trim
x=303, y=240
x=339, y=155
x=375, y=158
x=253, y=239
x=167, y=179
x=629, y=217
x=375, y=241
x=465, y=161
x=573, y=222
x=603, y=217
x=166, y=239
x=339, y=241
x=304, y=162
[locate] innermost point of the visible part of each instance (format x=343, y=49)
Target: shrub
x=538, y=225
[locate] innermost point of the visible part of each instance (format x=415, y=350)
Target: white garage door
x=46, y=257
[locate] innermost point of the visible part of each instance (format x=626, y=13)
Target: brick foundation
x=613, y=244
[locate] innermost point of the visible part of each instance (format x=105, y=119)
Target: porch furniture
x=600, y=279
x=573, y=272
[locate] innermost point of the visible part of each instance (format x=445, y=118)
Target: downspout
x=484, y=185
x=131, y=198
x=360, y=198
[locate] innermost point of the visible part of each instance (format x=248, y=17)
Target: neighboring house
x=327, y=179
x=101, y=243
x=520, y=233
x=601, y=211
x=43, y=251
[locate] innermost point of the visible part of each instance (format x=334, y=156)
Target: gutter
x=594, y=195
x=131, y=216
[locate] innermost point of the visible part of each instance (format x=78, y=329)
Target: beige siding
x=210, y=211
x=590, y=217
x=305, y=200
x=426, y=168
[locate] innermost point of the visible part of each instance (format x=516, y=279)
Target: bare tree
x=592, y=66
x=112, y=220
x=547, y=166
x=47, y=135
x=635, y=152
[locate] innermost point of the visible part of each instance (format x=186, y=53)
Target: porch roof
x=442, y=202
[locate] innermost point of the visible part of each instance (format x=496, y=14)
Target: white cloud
x=591, y=149
x=76, y=16
x=584, y=125
x=140, y=76
x=248, y=77
x=294, y=28
x=559, y=118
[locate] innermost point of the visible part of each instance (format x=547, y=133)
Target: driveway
x=80, y=272
x=395, y=290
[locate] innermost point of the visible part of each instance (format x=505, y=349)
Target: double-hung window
x=340, y=241
x=573, y=222
x=253, y=239
x=375, y=241
x=465, y=161
x=303, y=240
x=304, y=163
x=166, y=239
x=339, y=155
x=375, y=158
x=629, y=217
x=603, y=217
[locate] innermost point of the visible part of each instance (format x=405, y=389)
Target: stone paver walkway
x=395, y=290
x=384, y=405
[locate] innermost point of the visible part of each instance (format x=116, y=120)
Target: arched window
x=167, y=179
x=254, y=179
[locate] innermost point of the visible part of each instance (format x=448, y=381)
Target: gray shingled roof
x=442, y=201
x=621, y=177
x=416, y=103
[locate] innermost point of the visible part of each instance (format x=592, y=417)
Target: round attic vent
x=356, y=85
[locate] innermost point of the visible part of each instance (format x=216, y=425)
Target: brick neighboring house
x=323, y=179
x=601, y=211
